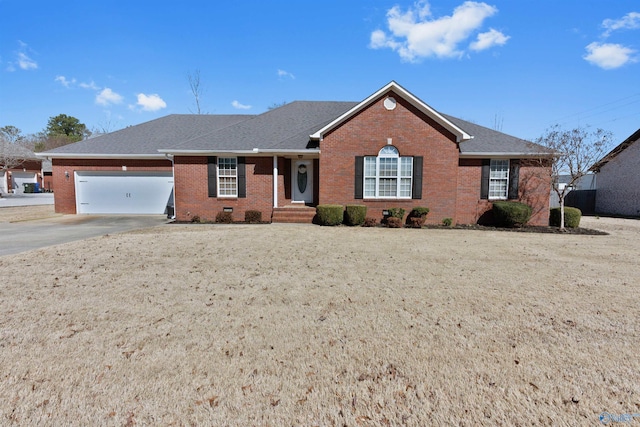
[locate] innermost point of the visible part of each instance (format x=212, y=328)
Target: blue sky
x=520, y=66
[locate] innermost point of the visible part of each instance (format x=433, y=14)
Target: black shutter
x=212, y=173
x=514, y=178
x=484, y=183
x=416, y=191
x=359, y=177
x=242, y=178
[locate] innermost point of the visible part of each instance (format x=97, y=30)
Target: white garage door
x=123, y=192
x=20, y=178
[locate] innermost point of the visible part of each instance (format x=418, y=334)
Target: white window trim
x=505, y=179
x=398, y=177
x=219, y=176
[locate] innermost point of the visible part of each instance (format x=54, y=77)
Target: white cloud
x=489, y=39
x=416, y=34
x=90, y=85
x=107, y=97
x=609, y=55
x=151, y=102
x=630, y=21
x=240, y=106
x=282, y=73
x=64, y=82
x=26, y=63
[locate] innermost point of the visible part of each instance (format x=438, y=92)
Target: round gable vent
x=390, y=103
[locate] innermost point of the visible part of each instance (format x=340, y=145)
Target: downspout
x=172, y=215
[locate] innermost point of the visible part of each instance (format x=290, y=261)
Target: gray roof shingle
x=284, y=128
x=487, y=140
x=147, y=138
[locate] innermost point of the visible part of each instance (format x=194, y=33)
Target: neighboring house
x=12, y=180
x=581, y=196
x=618, y=190
x=390, y=150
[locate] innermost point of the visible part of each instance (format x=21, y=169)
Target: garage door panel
x=123, y=193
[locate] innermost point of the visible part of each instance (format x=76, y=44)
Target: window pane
x=227, y=176
x=406, y=166
x=388, y=166
x=499, y=179
x=405, y=187
x=388, y=187
x=388, y=150
x=370, y=187
x=370, y=166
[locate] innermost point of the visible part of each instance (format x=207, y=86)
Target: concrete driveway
x=24, y=236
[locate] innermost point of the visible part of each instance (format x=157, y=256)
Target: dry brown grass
x=303, y=325
x=28, y=213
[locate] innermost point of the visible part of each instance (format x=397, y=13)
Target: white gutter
x=254, y=152
x=100, y=156
x=503, y=155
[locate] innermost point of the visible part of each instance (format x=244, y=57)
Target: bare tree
x=196, y=88
x=12, y=154
x=575, y=151
x=275, y=105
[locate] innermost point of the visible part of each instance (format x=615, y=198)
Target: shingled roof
x=635, y=137
x=489, y=142
x=281, y=129
x=293, y=127
x=145, y=139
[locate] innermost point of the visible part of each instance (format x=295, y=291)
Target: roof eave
x=253, y=152
x=460, y=134
x=503, y=155
x=50, y=155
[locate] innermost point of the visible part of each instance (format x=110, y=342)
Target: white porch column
x=275, y=181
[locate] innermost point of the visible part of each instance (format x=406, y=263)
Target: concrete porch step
x=293, y=214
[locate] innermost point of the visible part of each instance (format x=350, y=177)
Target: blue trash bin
x=36, y=187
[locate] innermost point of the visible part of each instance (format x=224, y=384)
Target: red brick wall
x=533, y=189
x=192, y=195
x=413, y=134
x=65, y=192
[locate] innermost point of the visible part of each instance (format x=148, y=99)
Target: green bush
x=355, y=214
x=252, y=216
x=224, y=217
x=396, y=213
x=511, y=214
x=417, y=217
x=447, y=222
x=330, y=214
x=571, y=217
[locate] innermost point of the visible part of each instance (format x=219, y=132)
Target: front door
x=302, y=181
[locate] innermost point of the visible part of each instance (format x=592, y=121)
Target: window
x=227, y=177
x=388, y=175
x=498, y=179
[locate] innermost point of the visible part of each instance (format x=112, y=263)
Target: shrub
x=447, y=222
x=195, y=219
x=330, y=214
x=252, y=216
x=355, y=214
x=396, y=213
x=417, y=217
x=370, y=222
x=394, y=222
x=511, y=214
x=224, y=217
x=415, y=222
x=571, y=217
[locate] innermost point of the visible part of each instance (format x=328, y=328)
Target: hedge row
x=356, y=215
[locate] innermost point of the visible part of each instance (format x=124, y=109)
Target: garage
x=140, y=193
x=18, y=179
